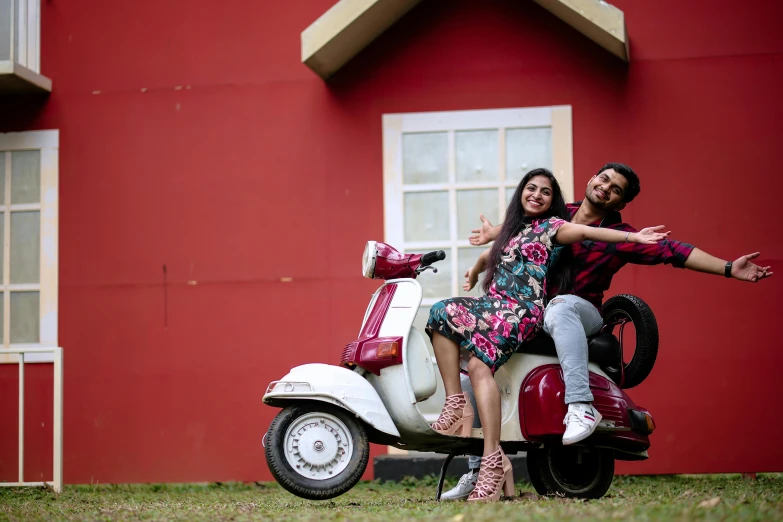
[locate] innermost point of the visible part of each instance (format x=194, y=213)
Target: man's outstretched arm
x=741, y=268
x=683, y=255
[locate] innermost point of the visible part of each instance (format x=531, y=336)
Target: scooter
x=387, y=390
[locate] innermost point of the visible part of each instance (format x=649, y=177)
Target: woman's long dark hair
x=560, y=273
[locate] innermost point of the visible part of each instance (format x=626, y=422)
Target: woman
x=492, y=327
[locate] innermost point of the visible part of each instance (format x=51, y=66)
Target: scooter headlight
x=368, y=260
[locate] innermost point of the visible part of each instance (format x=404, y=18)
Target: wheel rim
x=576, y=470
x=318, y=446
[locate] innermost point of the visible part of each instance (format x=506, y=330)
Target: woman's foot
x=495, y=474
x=456, y=417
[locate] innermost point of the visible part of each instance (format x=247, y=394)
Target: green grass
x=720, y=497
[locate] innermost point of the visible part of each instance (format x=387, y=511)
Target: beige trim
x=600, y=21
x=350, y=25
x=563, y=150
x=345, y=29
x=15, y=78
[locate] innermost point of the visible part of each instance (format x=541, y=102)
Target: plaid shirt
x=596, y=263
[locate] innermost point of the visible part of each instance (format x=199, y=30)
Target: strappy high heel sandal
x=496, y=473
x=456, y=418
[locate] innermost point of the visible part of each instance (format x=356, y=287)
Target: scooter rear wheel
x=316, y=451
x=571, y=471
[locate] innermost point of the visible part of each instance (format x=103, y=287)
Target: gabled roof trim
x=350, y=25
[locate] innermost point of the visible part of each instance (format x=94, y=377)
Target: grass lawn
x=720, y=497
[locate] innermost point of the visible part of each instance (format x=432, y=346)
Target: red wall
x=238, y=166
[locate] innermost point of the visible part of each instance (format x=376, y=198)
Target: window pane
x=527, y=149
x=25, y=247
x=467, y=258
x=477, y=155
x=509, y=194
x=471, y=203
x=426, y=216
x=26, y=176
x=2, y=242
x=2, y=178
x=425, y=158
x=5, y=30
x=432, y=284
x=24, y=317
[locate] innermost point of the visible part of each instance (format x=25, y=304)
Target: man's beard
x=597, y=203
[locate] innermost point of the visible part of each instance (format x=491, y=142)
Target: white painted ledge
x=15, y=78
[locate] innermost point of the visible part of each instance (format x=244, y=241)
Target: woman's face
x=537, y=196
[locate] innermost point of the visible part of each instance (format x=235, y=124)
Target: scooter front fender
x=335, y=385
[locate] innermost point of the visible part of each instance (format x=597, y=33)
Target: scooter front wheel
x=571, y=471
x=316, y=451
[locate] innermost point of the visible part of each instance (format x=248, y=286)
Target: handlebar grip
x=431, y=257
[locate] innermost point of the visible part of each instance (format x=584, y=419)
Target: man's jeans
x=569, y=320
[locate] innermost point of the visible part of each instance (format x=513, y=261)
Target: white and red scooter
x=387, y=390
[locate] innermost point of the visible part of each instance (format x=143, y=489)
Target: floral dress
x=493, y=327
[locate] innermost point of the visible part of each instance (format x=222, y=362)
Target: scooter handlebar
x=431, y=257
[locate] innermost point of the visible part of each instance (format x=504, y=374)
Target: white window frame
x=558, y=118
x=25, y=34
x=47, y=142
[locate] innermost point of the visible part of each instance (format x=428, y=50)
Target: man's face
x=606, y=190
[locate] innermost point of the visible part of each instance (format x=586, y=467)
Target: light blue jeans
x=569, y=320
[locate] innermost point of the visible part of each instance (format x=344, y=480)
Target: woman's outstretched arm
x=570, y=233
x=471, y=276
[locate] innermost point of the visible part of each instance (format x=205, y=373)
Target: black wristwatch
x=727, y=270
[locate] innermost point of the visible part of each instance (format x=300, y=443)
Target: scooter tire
x=553, y=470
x=646, y=327
x=294, y=481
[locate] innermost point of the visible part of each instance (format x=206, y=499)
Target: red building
x=215, y=195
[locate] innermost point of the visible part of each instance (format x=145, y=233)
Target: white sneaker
x=463, y=489
x=581, y=421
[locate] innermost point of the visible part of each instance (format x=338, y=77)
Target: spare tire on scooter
x=618, y=310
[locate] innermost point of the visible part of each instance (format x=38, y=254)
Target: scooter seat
x=603, y=348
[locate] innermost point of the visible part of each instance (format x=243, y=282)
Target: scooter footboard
x=335, y=385
x=543, y=408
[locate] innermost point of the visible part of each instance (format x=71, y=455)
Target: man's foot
x=581, y=421
x=463, y=489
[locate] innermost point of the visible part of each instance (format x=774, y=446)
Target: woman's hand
x=471, y=278
x=648, y=236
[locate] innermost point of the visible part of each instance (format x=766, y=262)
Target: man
x=570, y=318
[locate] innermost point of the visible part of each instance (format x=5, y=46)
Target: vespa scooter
x=387, y=390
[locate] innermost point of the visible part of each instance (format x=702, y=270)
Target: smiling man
x=573, y=313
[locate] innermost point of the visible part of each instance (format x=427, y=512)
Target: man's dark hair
x=633, y=188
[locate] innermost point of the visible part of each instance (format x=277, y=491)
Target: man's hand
x=744, y=270
x=482, y=235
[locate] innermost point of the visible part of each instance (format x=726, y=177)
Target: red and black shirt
x=596, y=263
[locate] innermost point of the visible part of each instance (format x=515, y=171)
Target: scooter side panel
x=543, y=408
x=336, y=385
